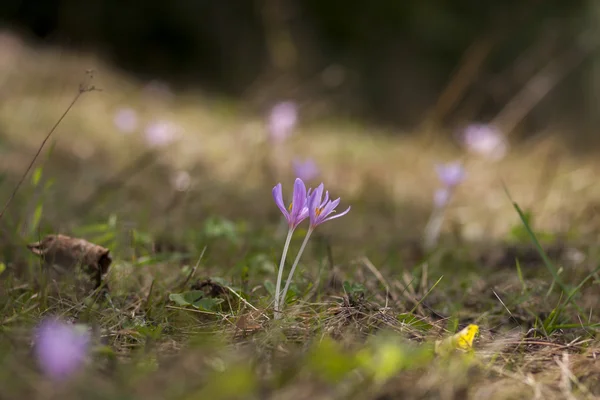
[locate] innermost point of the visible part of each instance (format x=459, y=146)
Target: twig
x=116, y=181
x=149, y=296
x=567, y=377
x=193, y=271
x=542, y=83
x=246, y=301
x=472, y=61
x=367, y=263
x=195, y=310
x=466, y=73
x=526, y=379
x=82, y=89
x=426, y=294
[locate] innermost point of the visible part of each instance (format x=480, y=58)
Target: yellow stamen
x=318, y=211
x=290, y=207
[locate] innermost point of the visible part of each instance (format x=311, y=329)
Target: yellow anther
x=290, y=207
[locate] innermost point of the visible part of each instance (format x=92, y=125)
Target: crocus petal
x=324, y=202
x=303, y=215
x=337, y=215
x=278, y=197
x=313, y=203
x=298, y=202
x=320, y=210
x=328, y=209
x=318, y=193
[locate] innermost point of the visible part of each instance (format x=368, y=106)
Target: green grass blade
x=547, y=262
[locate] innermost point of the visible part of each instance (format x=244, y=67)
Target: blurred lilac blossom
x=485, y=140
x=60, y=348
x=126, y=120
x=450, y=174
x=282, y=120
x=306, y=170
x=161, y=133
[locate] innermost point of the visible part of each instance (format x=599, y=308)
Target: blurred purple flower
x=60, y=348
x=161, y=133
x=126, y=120
x=298, y=210
x=306, y=170
x=282, y=120
x=319, y=211
x=485, y=140
x=450, y=174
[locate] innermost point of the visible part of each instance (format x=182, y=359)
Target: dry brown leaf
x=65, y=254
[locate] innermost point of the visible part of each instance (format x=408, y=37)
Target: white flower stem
x=289, y=279
x=434, y=227
x=435, y=222
x=286, y=246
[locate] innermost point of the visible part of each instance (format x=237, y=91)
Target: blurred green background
x=390, y=62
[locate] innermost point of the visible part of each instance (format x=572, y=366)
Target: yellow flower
x=462, y=340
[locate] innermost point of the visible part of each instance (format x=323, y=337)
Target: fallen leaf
x=65, y=254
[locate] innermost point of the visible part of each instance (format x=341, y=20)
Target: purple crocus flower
x=450, y=174
x=282, y=120
x=60, y=348
x=126, y=120
x=306, y=170
x=485, y=140
x=319, y=210
x=298, y=210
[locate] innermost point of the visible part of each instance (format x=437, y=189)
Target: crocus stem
x=289, y=279
x=286, y=246
x=433, y=227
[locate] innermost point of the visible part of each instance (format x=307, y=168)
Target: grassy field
x=196, y=239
